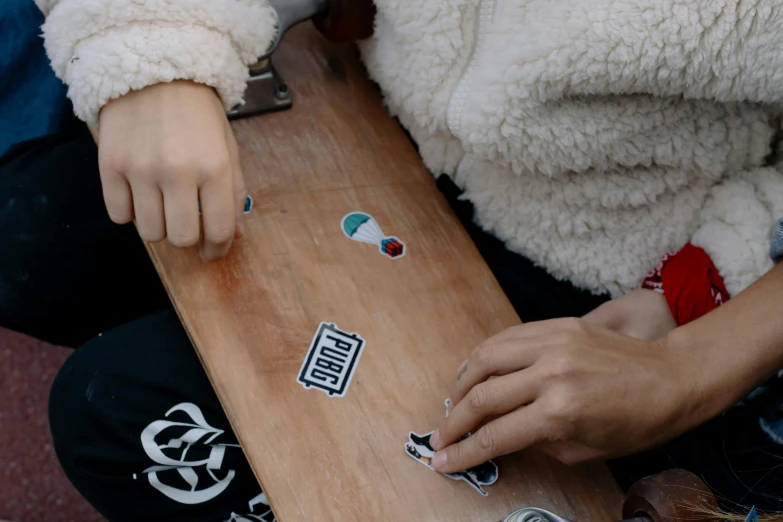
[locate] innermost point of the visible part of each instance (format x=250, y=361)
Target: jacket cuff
x=736, y=224
x=103, y=49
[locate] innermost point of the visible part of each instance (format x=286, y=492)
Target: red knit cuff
x=691, y=283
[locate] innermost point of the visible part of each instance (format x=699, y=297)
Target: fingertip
x=440, y=461
x=207, y=256
x=239, y=232
x=243, y=206
x=435, y=440
x=213, y=252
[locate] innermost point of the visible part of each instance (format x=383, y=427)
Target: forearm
x=730, y=351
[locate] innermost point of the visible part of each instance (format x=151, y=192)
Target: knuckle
x=176, y=169
x=112, y=159
x=562, y=365
x=484, y=355
x=456, y=453
x=479, y=398
x=487, y=440
x=215, y=164
x=566, y=340
x=142, y=169
x=575, y=324
x=561, y=414
x=172, y=156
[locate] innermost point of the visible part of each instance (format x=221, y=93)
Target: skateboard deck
x=302, y=269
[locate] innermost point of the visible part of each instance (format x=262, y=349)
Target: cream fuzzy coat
x=593, y=136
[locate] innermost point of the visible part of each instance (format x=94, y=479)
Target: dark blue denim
x=33, y=101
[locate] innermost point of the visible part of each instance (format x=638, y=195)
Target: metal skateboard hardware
x=542, y=515
x=532, y=514
x=675, y=495
x=266, y=92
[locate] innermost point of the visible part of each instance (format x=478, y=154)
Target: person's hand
x=642, y=314
x=575, y=390
x=163, y=149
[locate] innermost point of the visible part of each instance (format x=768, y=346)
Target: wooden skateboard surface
x=252, y=317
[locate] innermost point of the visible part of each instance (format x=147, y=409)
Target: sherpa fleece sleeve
x=102, y=49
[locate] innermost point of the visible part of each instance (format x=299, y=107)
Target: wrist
x=708, y=376
x=723, y=356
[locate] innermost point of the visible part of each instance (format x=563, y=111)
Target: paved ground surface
x=32, y=486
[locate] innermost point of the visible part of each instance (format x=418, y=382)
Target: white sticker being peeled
x=419, y=449
x=331, y=360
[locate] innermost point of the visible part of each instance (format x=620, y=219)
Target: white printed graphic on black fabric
x=182, y=474
x=190, y=454
x=331, y=360
x=259, y=504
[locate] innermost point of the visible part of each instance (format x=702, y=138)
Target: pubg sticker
x=331, y=360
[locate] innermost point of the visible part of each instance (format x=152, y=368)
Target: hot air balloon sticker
x=363, y=228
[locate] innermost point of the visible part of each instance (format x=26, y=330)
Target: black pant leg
x=732, y=454
x=67, y=272
x=142, y=436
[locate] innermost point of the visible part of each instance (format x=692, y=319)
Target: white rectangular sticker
x=331, y=360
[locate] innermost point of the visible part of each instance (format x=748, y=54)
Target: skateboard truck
x=338, y=20
x=534, y=515
x=670, y=496
x=542, y=515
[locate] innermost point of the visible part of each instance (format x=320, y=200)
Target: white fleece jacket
x=593, y=136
